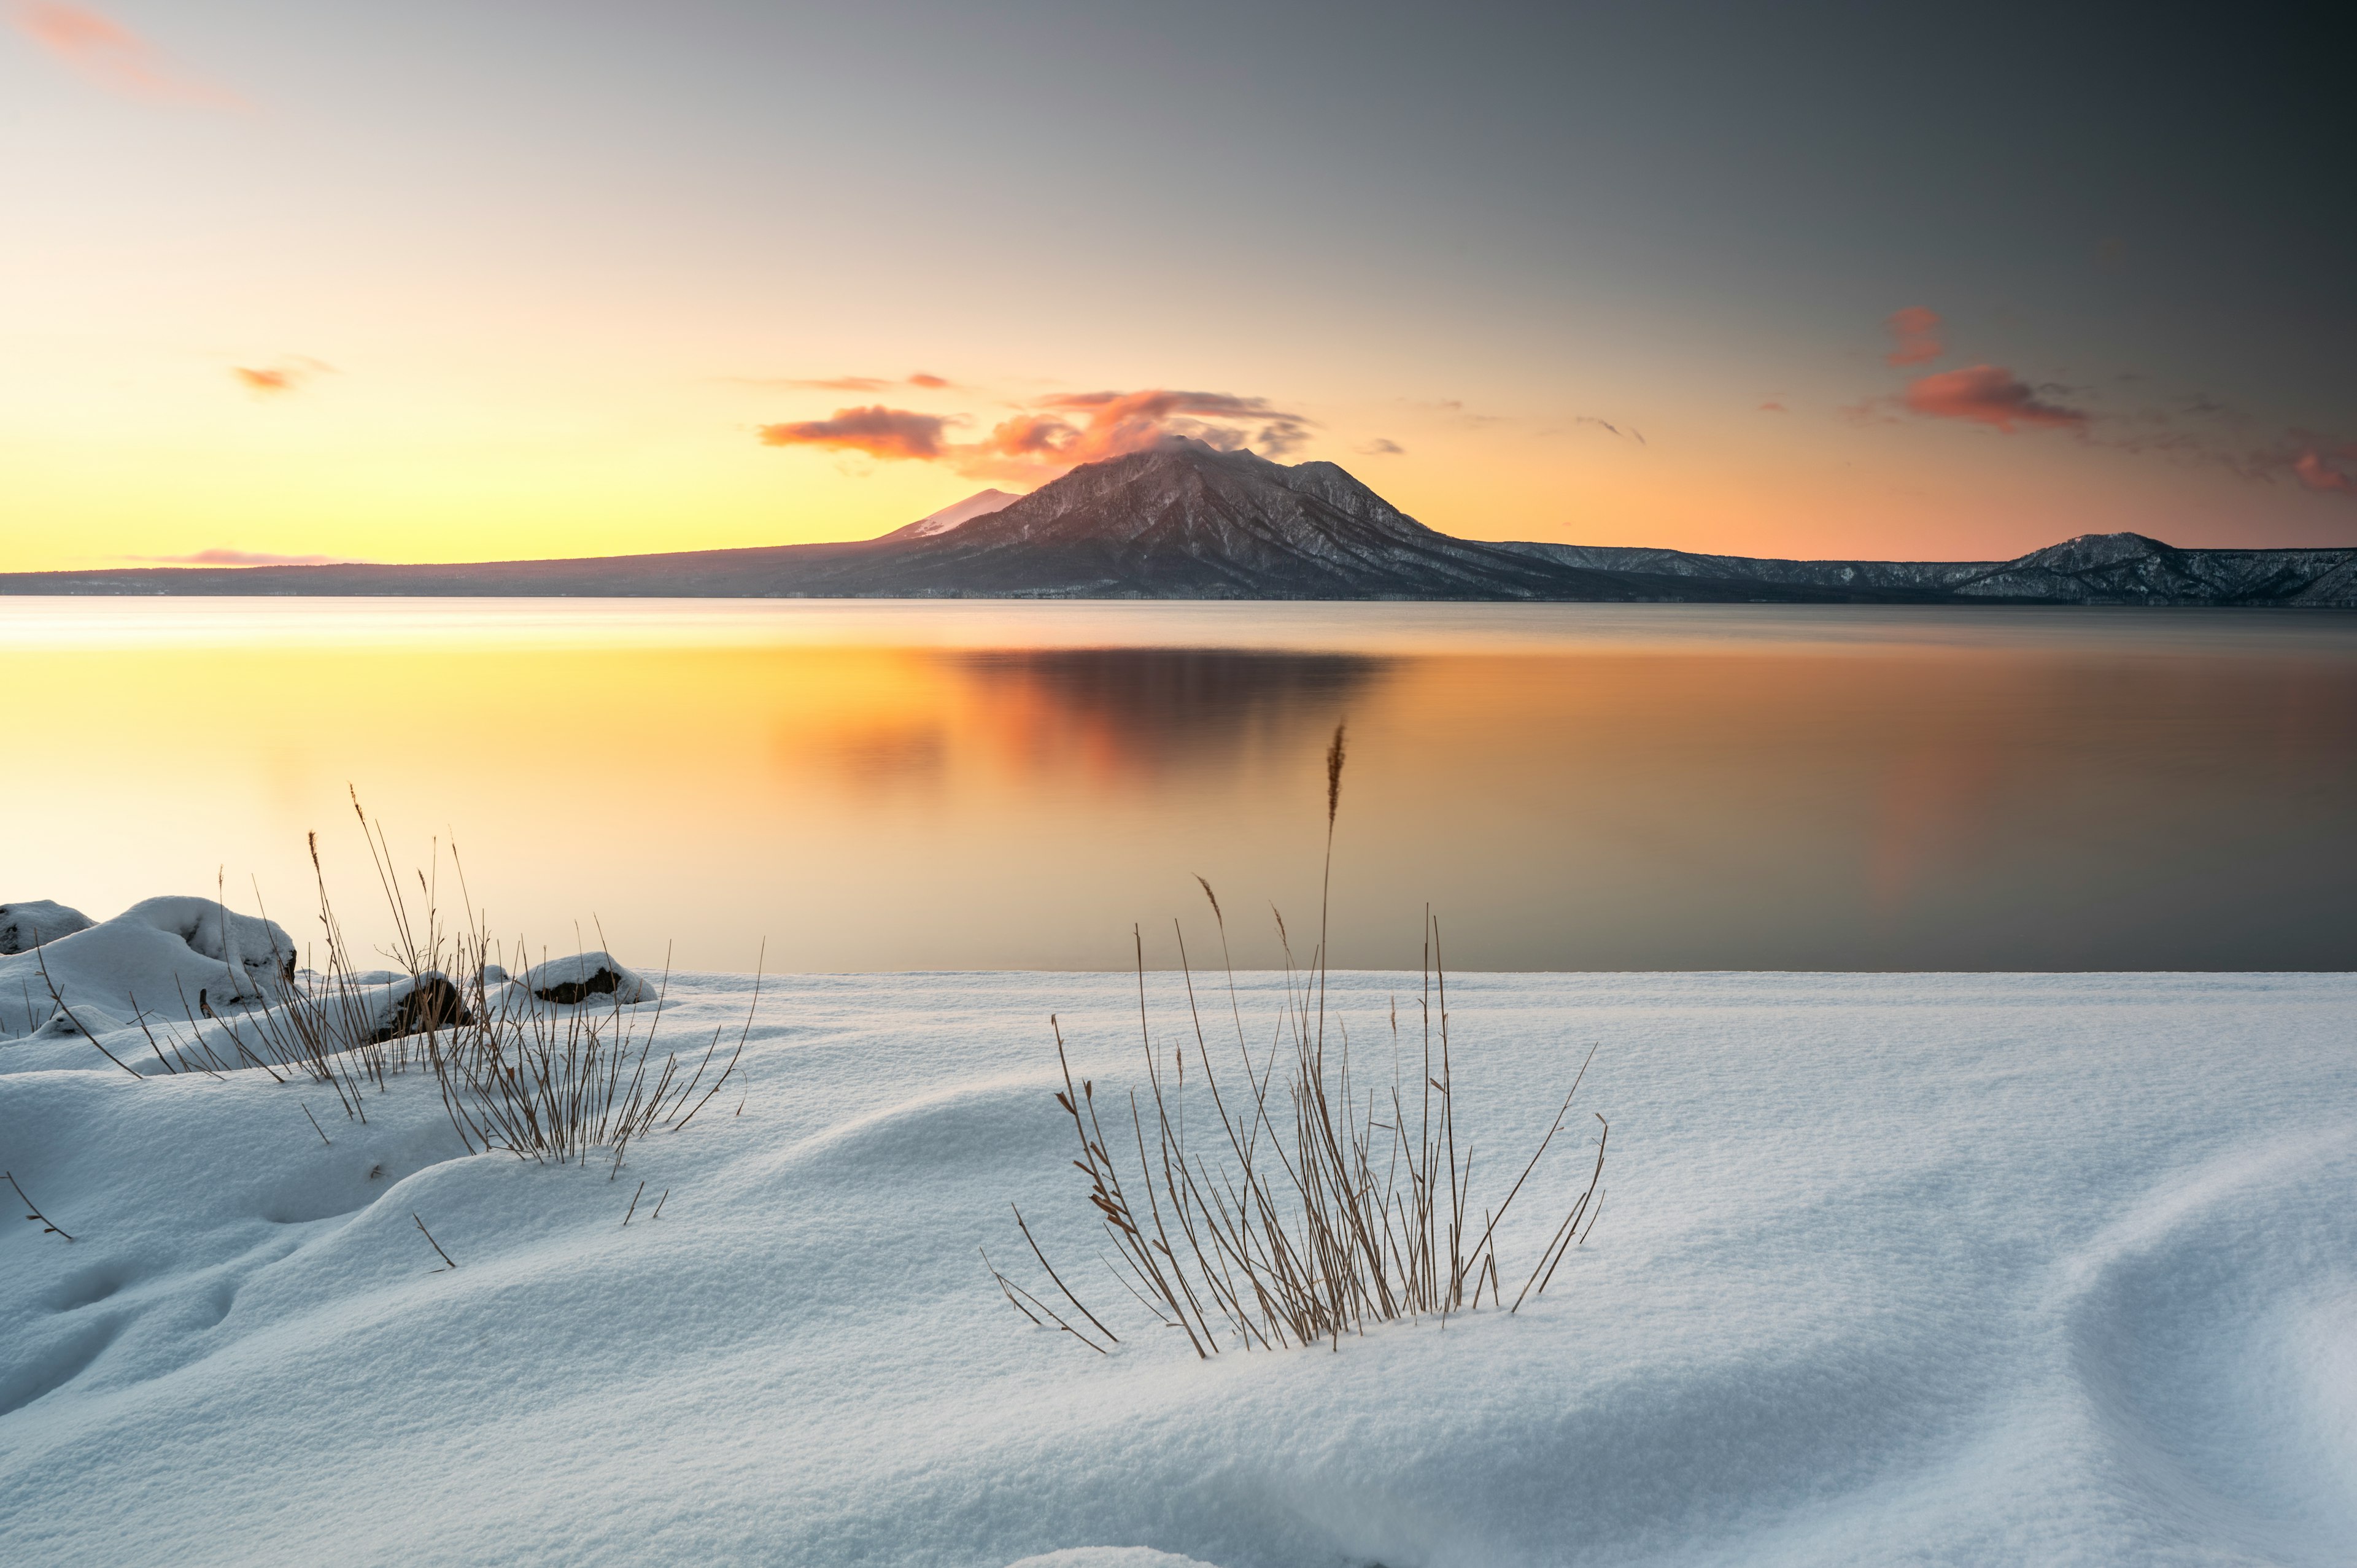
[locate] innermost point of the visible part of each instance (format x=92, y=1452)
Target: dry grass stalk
x=33, y=1211
x=1301, y=1223
x=449, y=1262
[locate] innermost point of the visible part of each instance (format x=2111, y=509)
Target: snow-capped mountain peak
x=982, y=503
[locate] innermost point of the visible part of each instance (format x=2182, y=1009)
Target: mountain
x=978, y=504
x=2092, y=569
x=1188, y=521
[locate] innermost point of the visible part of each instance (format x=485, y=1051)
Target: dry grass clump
x=546, y=1078
x=1320, y=1207
x=551, y=1083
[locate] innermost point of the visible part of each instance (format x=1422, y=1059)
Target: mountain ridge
x=1188, y=521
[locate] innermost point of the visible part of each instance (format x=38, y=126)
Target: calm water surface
x=984, y=785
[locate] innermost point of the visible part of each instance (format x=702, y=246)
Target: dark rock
x=432, y=1004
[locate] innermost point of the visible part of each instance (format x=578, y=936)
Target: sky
x=452, y=281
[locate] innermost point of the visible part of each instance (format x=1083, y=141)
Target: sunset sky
x=446, y=282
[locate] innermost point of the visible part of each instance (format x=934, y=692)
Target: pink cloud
x=1990, y=395
x=894, y=434
x=1056, y=434
x=111, y=55
x=1771, y=408
x=1111, y=423
x=1915, y=335
x=854, y=383
x=2319, y=472
x=218, y=557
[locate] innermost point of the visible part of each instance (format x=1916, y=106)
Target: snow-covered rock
x=406, y=1004
x=168, y=958
x=583, y=977
x=83, y=1022
x=28, y=923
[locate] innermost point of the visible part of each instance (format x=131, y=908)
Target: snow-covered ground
x=1956, y=1269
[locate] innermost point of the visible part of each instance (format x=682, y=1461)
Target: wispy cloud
x=2319, y=472
x=1915, y=336
x=1773, y=408
x=1381, y=447
x=846, y=383
x=1627, y=432
x=218, y=557
x=1054, y=434
x=109, y=55
x=895, y=435
x=285, y=376
x=1454, y=410
x=1990, y=395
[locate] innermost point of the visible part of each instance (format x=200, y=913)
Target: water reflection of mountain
x=1153, y=711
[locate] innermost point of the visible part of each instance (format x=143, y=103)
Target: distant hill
x=2092, y=569
x=1188, y=521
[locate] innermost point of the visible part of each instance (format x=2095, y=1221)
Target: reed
x=1314, y=1208
x=545, y=1080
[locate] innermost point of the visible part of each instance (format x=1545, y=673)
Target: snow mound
x=25, y=925
x=163, y=958
x=583, y=977
x=1111, y=1557
x=2218, y=1359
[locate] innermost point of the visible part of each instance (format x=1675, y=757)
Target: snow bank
x=1925, y=1269
x=28, y=923
x=169, y=957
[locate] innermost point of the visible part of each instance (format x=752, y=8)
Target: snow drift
x=1947, y=1268
x=170, y=958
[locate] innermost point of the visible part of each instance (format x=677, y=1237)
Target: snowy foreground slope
x=1939, y=1269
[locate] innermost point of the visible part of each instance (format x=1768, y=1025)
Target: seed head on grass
x=1334, y=756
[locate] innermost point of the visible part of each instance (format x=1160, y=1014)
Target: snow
x=168, y=958
x=1933, y=1269
x=30, y=922
x=982, y=503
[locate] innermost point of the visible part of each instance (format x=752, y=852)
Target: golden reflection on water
x=1722, y=790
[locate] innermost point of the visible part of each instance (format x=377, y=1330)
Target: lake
x=993, y=784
